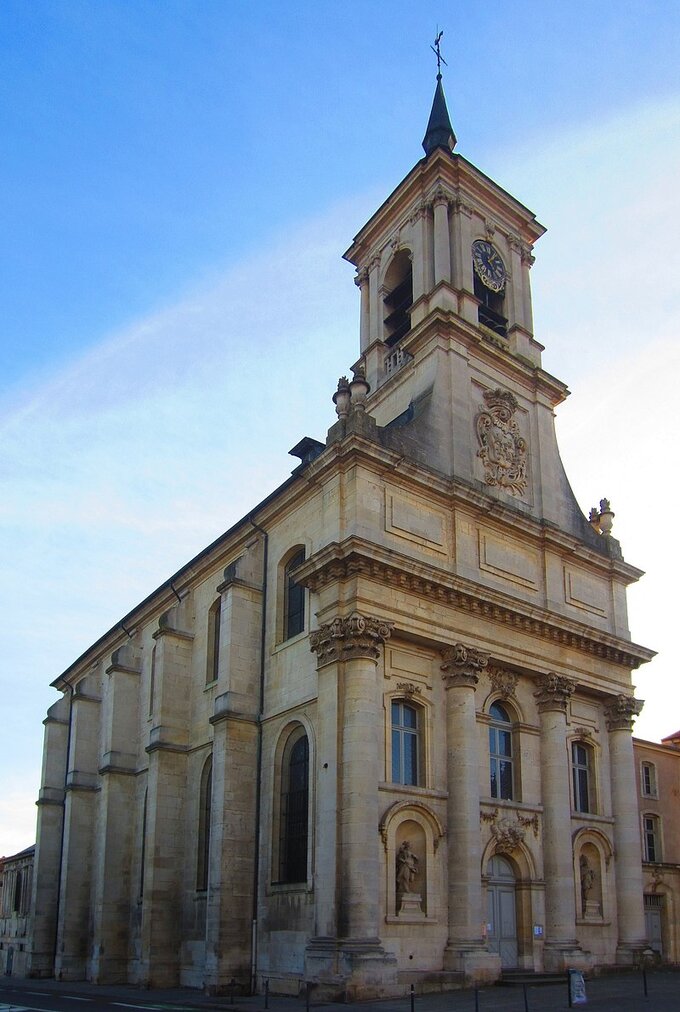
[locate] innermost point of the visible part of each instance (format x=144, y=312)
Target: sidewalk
x=611, y=993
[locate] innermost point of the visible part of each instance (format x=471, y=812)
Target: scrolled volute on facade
x=462, y=665
x=346, y=638
x=554, y=691
x=621, y=712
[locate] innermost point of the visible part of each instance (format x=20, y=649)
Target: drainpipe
x=63, y=827
x=258, y=773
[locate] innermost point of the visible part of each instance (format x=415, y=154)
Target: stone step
x=431, y=981
x=517, y=978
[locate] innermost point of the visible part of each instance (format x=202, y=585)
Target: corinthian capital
x=462, y=665
x=347, y=638
x=553, y=692
x=621, y=712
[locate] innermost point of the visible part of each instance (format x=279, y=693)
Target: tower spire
x=439, y=133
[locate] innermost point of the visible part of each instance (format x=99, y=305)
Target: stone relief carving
x=408, y=688
x=621, y=712
x=554, y=691
x=462, y=665
x=507, y=834
x=346, y=638
x=502, y=681
x=502, y=449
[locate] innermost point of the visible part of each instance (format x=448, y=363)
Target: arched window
x=17, y=893
x=294, y=810
x=399, y=298
x=648, y=780
x=213, y=659
x=582, y=777
x=500, y=753
x=406, y=743
x=651, y=838
x=294, y=598
x=204, y=819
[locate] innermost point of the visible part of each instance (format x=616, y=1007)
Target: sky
x=178, y=182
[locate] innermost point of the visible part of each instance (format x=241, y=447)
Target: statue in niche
x=407, y=867
x=587, y=884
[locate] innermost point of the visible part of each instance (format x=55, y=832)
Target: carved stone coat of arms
x=502, y=449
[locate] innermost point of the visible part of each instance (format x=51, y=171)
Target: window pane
x=410, y=759
x=506, y=781
x=396, y=756
x=405, y=744
x=494, y=778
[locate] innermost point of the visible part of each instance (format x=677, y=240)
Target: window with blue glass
x=581, y=770
x=500, y=753
x=406, y=744
x=294, y=606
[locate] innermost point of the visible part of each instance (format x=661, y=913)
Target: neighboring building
x=380, y=730
x=658, y=779
x=16, y=880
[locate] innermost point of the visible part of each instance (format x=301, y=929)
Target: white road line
x=41, y=994
x=125, y=1004
x=74, y=997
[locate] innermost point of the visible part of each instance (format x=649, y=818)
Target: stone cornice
x=359, y=558
x=347, y=638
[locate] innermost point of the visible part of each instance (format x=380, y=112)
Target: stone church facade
x=379, y=732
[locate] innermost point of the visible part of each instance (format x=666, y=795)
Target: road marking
x=125, y=1004
x=41, y=994
x=74, y=997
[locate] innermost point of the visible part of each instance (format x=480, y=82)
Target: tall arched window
x=294, y=810
x=204, y=820
x=651, y=838
x=294, y=598
x=406, y=743
x=399, y=298
x=500, y=753
x=582, y=777
x=213, y=659
x=17, y=893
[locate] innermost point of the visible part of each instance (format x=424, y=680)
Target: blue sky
x=178, y=183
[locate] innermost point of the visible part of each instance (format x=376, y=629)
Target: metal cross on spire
x=437, y=52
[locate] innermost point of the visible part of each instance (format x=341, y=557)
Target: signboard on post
x=577, y=988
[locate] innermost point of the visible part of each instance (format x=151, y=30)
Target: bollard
x=413, y=998
x=476, y=1000
x=266, y=993
x=526, y=998
x=569, y=988
x=307, y=992
x=232, y=986
x=644, y=979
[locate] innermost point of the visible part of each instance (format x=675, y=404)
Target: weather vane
x=437, y=52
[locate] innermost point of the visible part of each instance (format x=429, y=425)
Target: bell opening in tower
x=399, y=298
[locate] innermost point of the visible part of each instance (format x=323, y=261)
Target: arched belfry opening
x=398, y=298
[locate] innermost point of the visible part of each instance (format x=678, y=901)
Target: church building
x=379, y=732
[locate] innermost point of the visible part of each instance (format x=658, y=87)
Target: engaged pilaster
x=465, y=949
x=620, y=714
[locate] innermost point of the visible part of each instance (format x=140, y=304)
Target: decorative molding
x=503, y=682
x=409, y=689
x=462, y=665
x=553, y=692
x=435, y=586
x=621, y=712
x=348, y=638
x=501, y=824
x=502, y=449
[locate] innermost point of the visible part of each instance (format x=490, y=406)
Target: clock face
x=489, y=265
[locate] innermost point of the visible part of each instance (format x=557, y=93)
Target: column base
x=350, y=969
x=474, y=961
x=630, y=953
x=568, y=955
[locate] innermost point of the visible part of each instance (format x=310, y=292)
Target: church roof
x=439, y=133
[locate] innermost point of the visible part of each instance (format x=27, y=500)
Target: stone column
x=361, y=281
x=463, y=280
x=352, y=645
x=465, y=948
x=631, y=919
x=374, y=303
x=561, y=948
x=442, y=248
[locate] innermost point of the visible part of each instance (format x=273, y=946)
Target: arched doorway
x=502, y=916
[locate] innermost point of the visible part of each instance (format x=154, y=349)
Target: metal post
x=266, y=993
x=526, y=998
x=644, y=979
x=476, y=1000
x=232, y=986
x=569, y=987
x=413, y=998
x=307, y=990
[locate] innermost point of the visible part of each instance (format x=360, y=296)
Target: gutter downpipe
x=57, y=909
x=258, y=773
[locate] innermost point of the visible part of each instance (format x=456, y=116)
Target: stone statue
x=407, y=867
x=587, y=882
